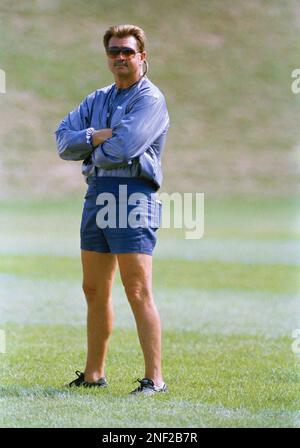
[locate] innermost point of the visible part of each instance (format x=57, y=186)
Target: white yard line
x=228, y=312
x=285, y=252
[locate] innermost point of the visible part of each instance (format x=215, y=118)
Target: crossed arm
x=110, y=147
x=100, y=135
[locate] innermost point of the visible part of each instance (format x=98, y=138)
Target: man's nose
x=120, y=60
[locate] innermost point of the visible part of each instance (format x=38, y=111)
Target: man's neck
x=126, y=83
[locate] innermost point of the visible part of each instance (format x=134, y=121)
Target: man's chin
x=122, y=73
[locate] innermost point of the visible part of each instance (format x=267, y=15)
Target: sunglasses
x=127, y=52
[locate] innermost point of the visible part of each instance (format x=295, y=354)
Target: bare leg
x=136, y=274
x=98, y=276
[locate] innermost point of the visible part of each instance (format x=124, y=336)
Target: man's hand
x=101, y=135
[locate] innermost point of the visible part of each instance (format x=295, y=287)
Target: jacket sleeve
x=73, y=133
x=132, y=136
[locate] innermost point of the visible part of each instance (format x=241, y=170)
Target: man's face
x=122, y=66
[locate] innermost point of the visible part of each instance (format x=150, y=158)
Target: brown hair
x=124, y=31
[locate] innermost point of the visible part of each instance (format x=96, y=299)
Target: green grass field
x=227, y=322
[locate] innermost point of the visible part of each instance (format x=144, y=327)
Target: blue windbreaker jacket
x=139, y=120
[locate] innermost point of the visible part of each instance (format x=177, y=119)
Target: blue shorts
x=120, y=215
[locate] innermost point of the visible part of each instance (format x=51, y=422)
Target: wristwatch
x=89, y=137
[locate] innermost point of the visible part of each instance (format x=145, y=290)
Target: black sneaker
x=79, y=382
x=147, y=387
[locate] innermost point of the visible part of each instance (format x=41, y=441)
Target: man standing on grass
x=119, y=132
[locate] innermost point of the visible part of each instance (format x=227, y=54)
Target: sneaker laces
x=79, y=376
x=144, y=383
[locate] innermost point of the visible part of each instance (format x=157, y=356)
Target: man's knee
x=138, y=293
x=94, y=295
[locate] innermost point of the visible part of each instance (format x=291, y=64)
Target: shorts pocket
x=90, y=192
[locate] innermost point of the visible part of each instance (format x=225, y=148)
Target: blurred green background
x=230, y=301
x=224, y=66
